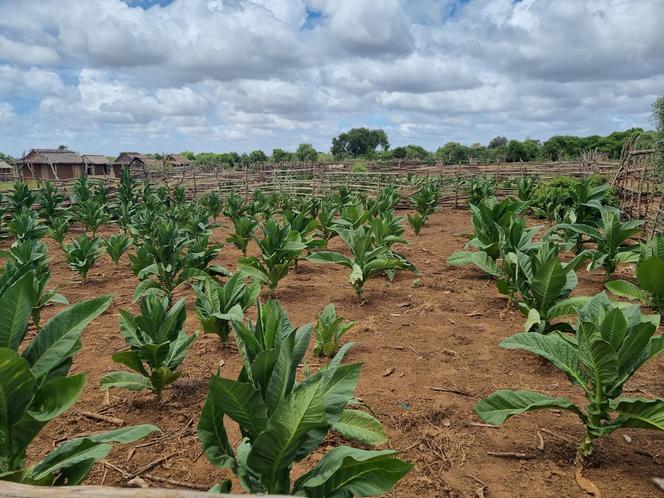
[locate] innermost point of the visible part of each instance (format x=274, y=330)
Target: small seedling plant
x=367, y=261
x=82, y=254
x=545, y=283
x=610, y=344
x=425, y=202
x=116, y=246
x=329, y=330
x=244, y=228
x=25, y=225
x=279, y=248
x=59, y=229
x=157, y=346
x=50, y=202
x=283, y=421
x=92, y=215
x=650, y=288
x=20, y=198
x=218, y=305
x=610, y=237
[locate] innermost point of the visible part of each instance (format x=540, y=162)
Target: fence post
x=456, y=187
x=246, y=182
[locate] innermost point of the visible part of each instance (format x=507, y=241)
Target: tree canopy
x=359, y=142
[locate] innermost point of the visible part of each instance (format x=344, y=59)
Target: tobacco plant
x=92, y=215
x=20, y=197
x=116, y=246
x=368, y=260
x=245, y=226
x=82, y=254
x=650, y=277
x=59, y=229
x=610, y=237
x=157, y=346
x=329, y=330
x=279, y=248
x=610, y=344
x=425, y=201
x=545, y=284
x=36, y=389
x=24, y=225
x=283, y=421
x=50, y=202
x=218, y=305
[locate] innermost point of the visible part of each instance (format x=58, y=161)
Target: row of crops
x=168, y=245
x=597, y=341
x=282, y=417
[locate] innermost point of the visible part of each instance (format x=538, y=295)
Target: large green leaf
x=360, y=426
x=503, y=404
x=460, y=258
x=212, y=433
x=598, y=356
x=15, y=307
x=623, y=288
x=61, y=333
x=346, y=472
x=330, y=257
x=569, y=306
x=125, y=435
x=56, y=396
x=554, y=348
x=613, y=328
x=125, y=380
x=485, y=263
x=16, y=388
x=241, y=402
x=650, y=274
x=640, y=413
x=71, y=454
x=295, y=417
x=547, y=283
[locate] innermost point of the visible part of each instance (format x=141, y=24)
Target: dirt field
x=443, y=333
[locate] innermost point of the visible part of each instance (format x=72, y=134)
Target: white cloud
x=244, y=74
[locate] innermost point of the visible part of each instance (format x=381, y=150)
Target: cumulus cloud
x=105, y=75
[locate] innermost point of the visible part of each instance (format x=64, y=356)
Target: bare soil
x=439, y=330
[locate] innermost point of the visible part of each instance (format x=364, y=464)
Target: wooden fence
x=640, y=190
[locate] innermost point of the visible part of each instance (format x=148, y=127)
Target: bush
x=561, y=192
x=359, y=167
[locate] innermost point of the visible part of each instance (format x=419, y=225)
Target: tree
x=359, y=142
x=453, y=153
x=306, y=153
x=497, y=142
x=257, y=156
x=281, y=156
x=63, y=147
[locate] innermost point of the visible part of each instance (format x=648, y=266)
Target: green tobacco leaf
x=15, y=307
x=213, y=436
x=346, y=472
x=296, y=416
x=569, y=306
x=460, y=258
x=360, y=426
x=56, y=396
x=144, y=288
x=597, y=354
x=650, y=274
x=554, y=348
x=640, y=413
x=485, y=263
x=241, y=402
x=70, y=455
x=548, y=283
x=329, y=257
x=125, y=434
x=16, y=387
x=503, y=404
x=532, y=319
x=125, y=380
x=626, y=289
x=61, y=333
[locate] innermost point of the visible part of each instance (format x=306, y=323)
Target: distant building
x=138, y=164
x=51, y=164
x=7, y=171
x=96, y=165
x=177, y=161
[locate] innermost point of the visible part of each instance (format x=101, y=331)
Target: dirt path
x=443, y=333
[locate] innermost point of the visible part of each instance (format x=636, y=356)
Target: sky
x=103, y=76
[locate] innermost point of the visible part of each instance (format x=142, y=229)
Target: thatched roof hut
x=96, y=164
x=52, y=164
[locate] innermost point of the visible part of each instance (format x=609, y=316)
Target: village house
x=51, y=164
x=176, y=161
x=7, y=171
x=138, y=164
x=96, y=165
